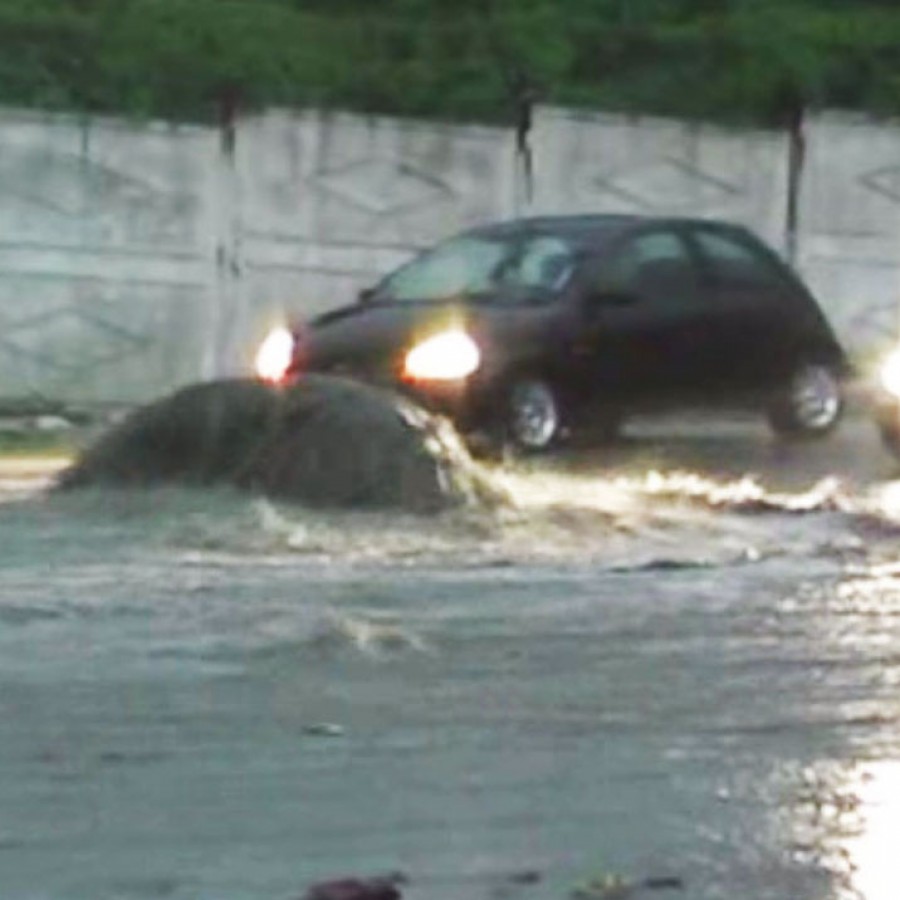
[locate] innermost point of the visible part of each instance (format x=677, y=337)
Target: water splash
x=24, y=477
x=540, y=514
x=527, y=512
x=375, y=636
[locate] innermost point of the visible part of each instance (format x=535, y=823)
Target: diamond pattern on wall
x=884, y=181
x=68, y=340
x=70, y=184
x=665, y=184
x=61, y=196
x=383, y=186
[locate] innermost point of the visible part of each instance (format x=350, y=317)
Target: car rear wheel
x=533, y=415
x=810, y=405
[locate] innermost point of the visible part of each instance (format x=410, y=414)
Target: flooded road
x=672, y=669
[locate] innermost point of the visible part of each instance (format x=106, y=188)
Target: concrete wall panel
x=603, y=163
x=850, y=226
x=104, y=257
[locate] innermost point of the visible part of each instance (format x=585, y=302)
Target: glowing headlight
x=447, y=356
x=273, y=359
x=890, y=373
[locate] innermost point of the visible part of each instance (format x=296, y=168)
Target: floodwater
x=672, y=670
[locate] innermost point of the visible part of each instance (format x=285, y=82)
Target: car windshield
x=481, y=264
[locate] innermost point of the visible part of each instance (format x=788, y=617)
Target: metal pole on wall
x=524, y=100
x=522, y=96
x=227, y=303
x=796, y=159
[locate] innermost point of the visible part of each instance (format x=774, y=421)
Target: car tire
x=533, y=417
x=810, y=405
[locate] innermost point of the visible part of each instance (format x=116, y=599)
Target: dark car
x=528, y=329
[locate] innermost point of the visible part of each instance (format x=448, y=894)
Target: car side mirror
x=366, y=295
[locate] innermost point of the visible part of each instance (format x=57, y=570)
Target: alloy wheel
x=815, y=398
x=534, y=415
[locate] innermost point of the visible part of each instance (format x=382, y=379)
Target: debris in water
x=528, y=876
x=663, y=883
x=511, y=884
x=604, y=887
x=617, y=887
x=665, y=564
x=323, y=729
x=385, y=887
x=371, y=637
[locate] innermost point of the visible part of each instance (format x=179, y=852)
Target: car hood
x=370, y=337
x=373, y=338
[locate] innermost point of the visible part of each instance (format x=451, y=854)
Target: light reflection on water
x=887, y=500
x=846, y=808
x=848, y=824
x=874, y=853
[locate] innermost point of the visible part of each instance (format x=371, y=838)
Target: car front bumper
x=469, y=404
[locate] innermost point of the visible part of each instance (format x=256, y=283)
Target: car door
x=647, y=319
x=755, y=320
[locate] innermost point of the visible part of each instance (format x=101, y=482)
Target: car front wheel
x=810, y=405
x=533, y=415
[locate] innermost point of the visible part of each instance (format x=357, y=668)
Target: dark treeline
x=742, y=61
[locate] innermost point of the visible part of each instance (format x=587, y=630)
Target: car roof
x=569, y=225
x=591, y=226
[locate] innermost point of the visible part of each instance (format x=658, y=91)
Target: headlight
x=890, y=373
x=273, y=359
x=447, y=356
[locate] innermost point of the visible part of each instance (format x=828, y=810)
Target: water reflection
x=848, y=824
x=874, y=851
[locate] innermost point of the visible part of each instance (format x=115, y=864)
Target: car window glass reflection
x=735, y=263
x=641, y=253
x=543, y=262
x=458, y=266
x=478, y=265
x=653, y=266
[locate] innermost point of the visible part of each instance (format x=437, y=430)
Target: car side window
x=736, y=264
x=458, y=265
x=656, y=265
x=544, y=261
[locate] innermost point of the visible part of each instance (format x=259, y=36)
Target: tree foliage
x=727, y=60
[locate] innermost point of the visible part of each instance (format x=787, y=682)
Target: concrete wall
x=849, y=248
x=105, y=243
x=651, y=166
x=136, y=258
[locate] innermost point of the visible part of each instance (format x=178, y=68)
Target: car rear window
x=735, y=263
